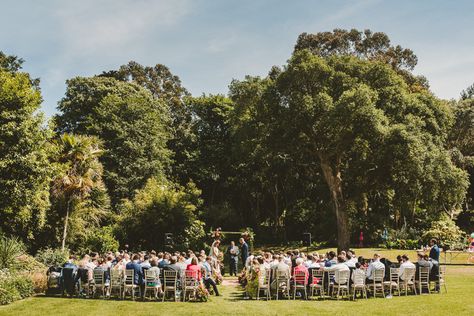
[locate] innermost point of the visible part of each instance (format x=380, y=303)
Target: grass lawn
x=458, y=301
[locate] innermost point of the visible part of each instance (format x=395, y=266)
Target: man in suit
x=233, y=252
x=244, y=250
x=135, y=266
x=173, y=266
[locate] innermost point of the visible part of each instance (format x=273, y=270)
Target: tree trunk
x=66, y=220
x=334, y=181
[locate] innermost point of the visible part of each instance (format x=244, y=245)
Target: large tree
x=461, y=143
x=167, y=88
x=24, y=166
x=132, y=124
x=366, y=129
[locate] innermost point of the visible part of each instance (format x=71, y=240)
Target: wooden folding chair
x=170, y=285
x=264, y=284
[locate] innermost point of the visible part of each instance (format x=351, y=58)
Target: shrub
x=52, y=256
x=14, y=287
x=10, y=250
x=446, y=231
x=160, y=207
x=40, y=281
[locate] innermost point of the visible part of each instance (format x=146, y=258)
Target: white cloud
x=89, y=27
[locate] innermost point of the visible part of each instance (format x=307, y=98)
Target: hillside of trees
x=343, y=138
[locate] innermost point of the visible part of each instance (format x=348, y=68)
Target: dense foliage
x=343, y=138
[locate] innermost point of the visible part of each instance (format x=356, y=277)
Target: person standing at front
x=233, y=252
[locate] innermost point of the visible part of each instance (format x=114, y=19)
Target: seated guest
x=193, y=266
x=351, y=260
x=181, y=264
x=102, y=267
x=135, y=266
x=423, y=261
x=70, y=263
x=282, y=268
x=155, y=272
x=358, y=271
x=399, y=261
x=388, y=264
x=406, y=263
x=146, y=262
x=165, y=261
x=110, y=261
x=173, y=266
x=330, y=260
x=339, y=266
x=301, y=268
x=374, y=265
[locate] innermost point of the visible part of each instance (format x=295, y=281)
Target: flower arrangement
x=202, y=294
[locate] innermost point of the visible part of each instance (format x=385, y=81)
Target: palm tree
x=81, y=172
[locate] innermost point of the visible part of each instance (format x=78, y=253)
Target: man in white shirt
x=406, y=263
x=351, y=259
x=374, y=265
x=339, y=266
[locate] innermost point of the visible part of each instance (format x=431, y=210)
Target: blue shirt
x=138, y=274
x=434, y=253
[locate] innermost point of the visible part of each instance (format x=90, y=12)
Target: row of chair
x=123, y=283
x=323, y=282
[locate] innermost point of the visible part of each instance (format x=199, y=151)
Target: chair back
x=379, y=275
x=265, y=277
x=150, y=276
x=299, y=277
x=331, y=275
x=359, y=278
x=170, y=278
x=129, y=277
x=116, y=277
x=342, y=277
x=317, y=274
x=424, y=274
x=282, y=275
x=394, y=274
x=409, y=274
x=98, y=276
x=191, y=278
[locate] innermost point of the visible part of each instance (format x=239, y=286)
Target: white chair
x=99, y=284
x=442, y=279
x=407, y=281
x=282, y=283
x=394, y=281
x=359, y=284
x=190, y=284
x=116, y=282
x=129, y=284
x=170, y=278
x=152, y=283
x=264, y=284
x=376, y=285
x=300, y=282
x=331, y=275
x=341, y=283
x=317, y=283
x=423, y=281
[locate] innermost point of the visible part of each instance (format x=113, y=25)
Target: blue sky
x=209, y=42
